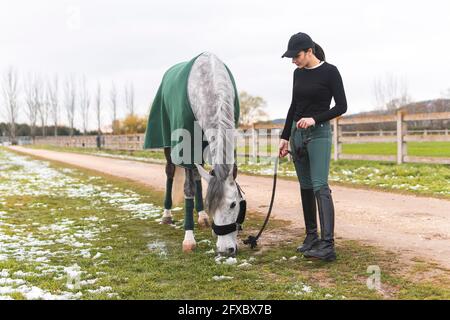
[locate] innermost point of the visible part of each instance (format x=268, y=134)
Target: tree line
x=48, y=101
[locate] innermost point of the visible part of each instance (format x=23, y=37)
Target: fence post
x=254, y=143
x=401, y=143
x=246, y=146
x=336, y=142
x=268, y=140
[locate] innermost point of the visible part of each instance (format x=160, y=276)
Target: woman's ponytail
x=318, y=52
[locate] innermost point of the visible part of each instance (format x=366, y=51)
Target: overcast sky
x=131, y=40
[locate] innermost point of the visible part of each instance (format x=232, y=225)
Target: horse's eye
x=233, y=205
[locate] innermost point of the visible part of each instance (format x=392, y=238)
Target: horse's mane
x=211, y=95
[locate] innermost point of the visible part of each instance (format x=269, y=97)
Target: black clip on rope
x=252, y=240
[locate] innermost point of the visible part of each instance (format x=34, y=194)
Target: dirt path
x=412, y=226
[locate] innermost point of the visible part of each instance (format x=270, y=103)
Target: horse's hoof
x=167, y=220
x=167, y=217
x=188, y=246
x=203, y=220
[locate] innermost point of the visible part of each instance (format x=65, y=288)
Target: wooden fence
x=113, y=142
x=401, y=137
x=252, y=139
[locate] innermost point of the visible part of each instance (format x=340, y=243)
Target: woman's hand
x=283, y=148
x=304, y=123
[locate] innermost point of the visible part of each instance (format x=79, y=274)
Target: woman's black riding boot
x=325, y=249
x=310, y=215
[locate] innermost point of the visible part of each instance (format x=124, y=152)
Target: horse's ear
x=203, y=173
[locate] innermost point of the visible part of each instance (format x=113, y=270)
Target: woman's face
x=301, y=59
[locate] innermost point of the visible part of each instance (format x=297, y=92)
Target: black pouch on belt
x=301, y=150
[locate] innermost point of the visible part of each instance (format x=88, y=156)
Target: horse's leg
x=189, y=194
x=170, y=173
x=203, y=220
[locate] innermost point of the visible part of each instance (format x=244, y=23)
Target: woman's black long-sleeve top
x=312, y=93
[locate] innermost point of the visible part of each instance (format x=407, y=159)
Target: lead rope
x=252, y=240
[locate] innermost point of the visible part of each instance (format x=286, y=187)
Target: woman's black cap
x=298, y=42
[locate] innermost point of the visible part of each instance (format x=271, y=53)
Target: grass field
x=419, y=179
x=422, y=149
x=59, y=223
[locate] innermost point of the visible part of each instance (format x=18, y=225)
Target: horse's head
x=226, y=205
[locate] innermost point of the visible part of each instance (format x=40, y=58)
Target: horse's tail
x=178, y=186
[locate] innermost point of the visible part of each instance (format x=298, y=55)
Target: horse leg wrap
x=198, y=196
x=188, y=214
x=170, y=172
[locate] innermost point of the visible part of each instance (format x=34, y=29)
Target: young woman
x=308, y=129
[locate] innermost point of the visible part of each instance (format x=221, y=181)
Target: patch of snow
x=100, y=290
x=245, y=265
x=158, y=247
x=220, y=278
x=98, y=255
x=230, y=261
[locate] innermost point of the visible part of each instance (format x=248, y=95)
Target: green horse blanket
x=171, y=110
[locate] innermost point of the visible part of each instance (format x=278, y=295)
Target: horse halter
x=235, y=226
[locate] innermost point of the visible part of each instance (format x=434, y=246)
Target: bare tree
x=84, y=104
x=98, y=99
x=10, y=95
x=129, y=98
x=70, y=92
x=31, y=102
x=252, y=108
x=52, y=92
x=113, y=101
x=379, y=94
x=391, y=93
x=42, y=103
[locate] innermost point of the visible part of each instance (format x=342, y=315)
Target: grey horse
x=208, y=90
